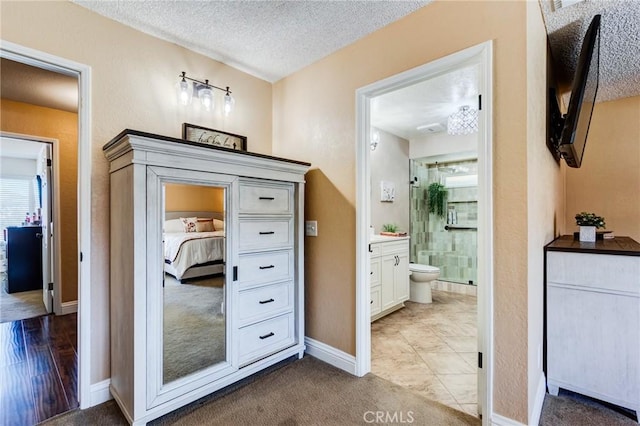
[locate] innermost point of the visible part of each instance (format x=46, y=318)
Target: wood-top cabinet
x=593, y=319
x=207, y=270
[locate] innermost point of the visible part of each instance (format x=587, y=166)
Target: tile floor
x=431, y=349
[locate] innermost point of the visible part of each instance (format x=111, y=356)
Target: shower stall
x=447, y=238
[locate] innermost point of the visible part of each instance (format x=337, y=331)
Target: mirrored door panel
x=194, y=335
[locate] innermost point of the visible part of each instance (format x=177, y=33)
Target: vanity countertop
x=383, y=238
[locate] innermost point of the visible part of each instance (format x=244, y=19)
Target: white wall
x=390, y=163
x=17, y=167
x=441, y=144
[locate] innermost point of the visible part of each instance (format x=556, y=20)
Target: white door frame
x=481, y=54
x=60, y=65
x=55, y=250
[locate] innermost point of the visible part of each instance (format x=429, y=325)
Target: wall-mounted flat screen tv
x=570, y=138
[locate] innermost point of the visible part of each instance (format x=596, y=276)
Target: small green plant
x=437, y=199
x=390, y=227
x=590, y=219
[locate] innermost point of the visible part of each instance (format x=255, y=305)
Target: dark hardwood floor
x=38, y=369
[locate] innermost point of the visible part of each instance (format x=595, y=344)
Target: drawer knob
x=262, y=302
x=266, y=232
x=266, y=336
x=266, y=198
x=266, y=267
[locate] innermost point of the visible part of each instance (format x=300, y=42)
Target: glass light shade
x=184, y=93
x=206, y=97
x=375, y=139
x=229, y=102
x=463, y=122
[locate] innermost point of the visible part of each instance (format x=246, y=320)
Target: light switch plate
x=311, y=228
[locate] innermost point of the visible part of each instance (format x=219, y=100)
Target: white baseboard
x=331, y=355
x=498, y=420
x=69, y=307
x=541, y=391
x=100, y=392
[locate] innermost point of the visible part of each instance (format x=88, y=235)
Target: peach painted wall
x=195, y=198
x=545, y=201
x=608, y=182
x=314, y=120
x=133, y=86
x=18, y=117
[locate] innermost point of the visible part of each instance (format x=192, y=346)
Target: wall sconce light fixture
x=375, y=139
x=202, y=90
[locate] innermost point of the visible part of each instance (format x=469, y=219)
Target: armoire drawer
x=264, y=302
x=265, y=267
x=266, y=198
x=256, y=234
x=261, y=339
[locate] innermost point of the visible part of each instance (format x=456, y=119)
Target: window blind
x=18, y=196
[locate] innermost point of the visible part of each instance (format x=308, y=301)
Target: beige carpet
x=569, y=409
x=21, y=305
x=303, y=392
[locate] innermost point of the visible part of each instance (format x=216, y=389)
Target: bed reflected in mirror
x=194, y=281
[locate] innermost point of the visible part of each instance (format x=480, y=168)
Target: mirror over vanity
x=207, y=278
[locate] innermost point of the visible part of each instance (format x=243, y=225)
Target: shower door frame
x=457, y=157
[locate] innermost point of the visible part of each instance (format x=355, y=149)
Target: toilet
x=420, y=277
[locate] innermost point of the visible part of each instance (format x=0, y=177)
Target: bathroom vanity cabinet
x=593, y=319
x=170, y=343
x=389, y=275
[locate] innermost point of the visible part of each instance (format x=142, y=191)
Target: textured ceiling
x=619, y=43
x=267, y=39
x=272, y=39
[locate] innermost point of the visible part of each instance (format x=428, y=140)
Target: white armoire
x=173, y=342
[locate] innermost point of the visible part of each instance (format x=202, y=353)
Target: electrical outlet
x=311, y=228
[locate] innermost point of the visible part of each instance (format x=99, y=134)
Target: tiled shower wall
x=454, y=251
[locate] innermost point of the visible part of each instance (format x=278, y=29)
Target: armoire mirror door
x=193, y=327
x=189, y=284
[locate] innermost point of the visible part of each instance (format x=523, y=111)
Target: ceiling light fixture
x=203, y=91
x=463, y=122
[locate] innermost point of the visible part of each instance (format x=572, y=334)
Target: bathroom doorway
x=367, y=190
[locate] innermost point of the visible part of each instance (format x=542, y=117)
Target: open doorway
x=477, y=359
x=76, y=330
x=40, y=106
x=29, y=266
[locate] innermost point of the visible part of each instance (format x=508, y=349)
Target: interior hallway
x=431, y=349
